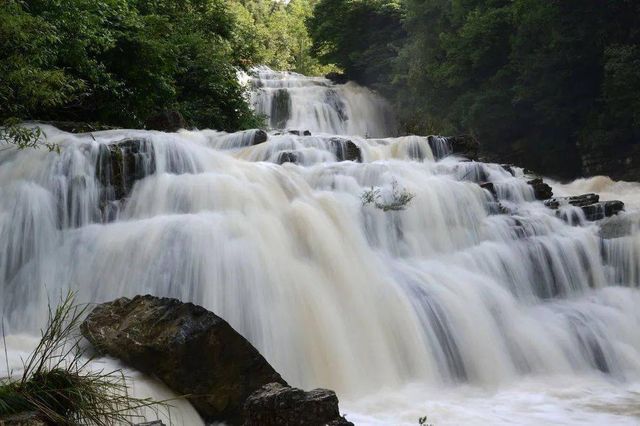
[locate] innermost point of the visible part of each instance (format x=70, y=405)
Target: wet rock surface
x=259, y=136
x=590, y=204
x=278, y=405
x=541, y=190
x=337, y=77
x=193, y=351
x=346, y=150
x=299, y=132
x=464, y=145
x=120, y=164
x=287, y=157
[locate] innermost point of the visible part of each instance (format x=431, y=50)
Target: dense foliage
x=118, y=62
x=361, y=37
x=535, y=81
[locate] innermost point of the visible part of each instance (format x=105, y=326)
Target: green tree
x=359, y=36
x=119, y=61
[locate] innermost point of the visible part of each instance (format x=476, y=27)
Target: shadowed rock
x=166, y=121
x=541, y=190
x=578, y=200
x=287, y=157
x=346, y=150
x=299, y=132
x=278, y=405
x=337, y=77
x=259, y=136
x=120, y=164
x=465, y=145
x=593, y=208
x=193, y=351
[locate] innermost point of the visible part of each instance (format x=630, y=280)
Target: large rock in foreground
x=193, y=351
x=278, y=405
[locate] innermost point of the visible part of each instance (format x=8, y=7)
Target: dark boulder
x=280, y=109
x=258, y=136
x=613, y=207
x=336, y=77
x=508, y=168
x=577, y=200
x=193, y=351
x=541, y=190
x=464, y=145
x=120, y=164
x=602, y=209
x=166, y=121
x=278, y=405
x=299, y=132
x=593, y=208
x=346, y=150
x=287, y=157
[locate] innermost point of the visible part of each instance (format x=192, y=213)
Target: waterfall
x=294, y=101
x=449, y=300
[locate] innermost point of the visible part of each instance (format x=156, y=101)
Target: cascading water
x=293, y=101
x=450, y=308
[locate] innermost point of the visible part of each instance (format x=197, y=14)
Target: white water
x=315, y=104
x=445, y=309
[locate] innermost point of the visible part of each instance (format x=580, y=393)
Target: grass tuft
x=57, y=383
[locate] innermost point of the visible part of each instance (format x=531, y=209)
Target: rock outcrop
x=337, y=77
x=193, y=351
x=258, y=136
x=299, y=132
x=464, y=145
x=346, y=150
x=593, y=208
x=287, y=157
x=578, y=200
x=541, y=190
x=278, y=405
x=166, y=121
x=120, y=164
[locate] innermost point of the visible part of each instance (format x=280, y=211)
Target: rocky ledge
x=278, y=405
x=198, y=354
x=590, y=204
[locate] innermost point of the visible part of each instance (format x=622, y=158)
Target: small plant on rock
x=399, y=199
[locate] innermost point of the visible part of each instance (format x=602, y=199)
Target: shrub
x=399, y=199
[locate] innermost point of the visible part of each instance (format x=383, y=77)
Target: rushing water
x=449, y=308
